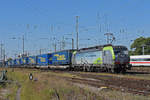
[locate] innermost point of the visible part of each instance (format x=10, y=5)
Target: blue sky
x=39, y=20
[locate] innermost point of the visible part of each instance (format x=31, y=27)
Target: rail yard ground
x=67, y=85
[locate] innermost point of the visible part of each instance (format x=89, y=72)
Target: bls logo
x=60, y=57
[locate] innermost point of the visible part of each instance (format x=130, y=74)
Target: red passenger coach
x=140, y=60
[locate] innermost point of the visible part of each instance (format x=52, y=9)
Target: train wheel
x=88, y=69
x=75, y=68
x=84, y=68
x=92, y=69
x=112, y=70
x=117, y=70
x=123, y=71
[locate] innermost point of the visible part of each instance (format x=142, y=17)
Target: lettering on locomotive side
x=60, y=57
x=90, y=55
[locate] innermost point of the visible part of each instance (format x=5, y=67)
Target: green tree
x=136, y=47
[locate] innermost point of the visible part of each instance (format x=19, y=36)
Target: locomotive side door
x=107, y=57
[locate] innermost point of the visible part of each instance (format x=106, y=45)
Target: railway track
x=111, y=81
x=115, y=83
x=130, y=85
x=112, y=87
x=141, y=69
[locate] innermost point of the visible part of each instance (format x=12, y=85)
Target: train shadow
x=134, y=72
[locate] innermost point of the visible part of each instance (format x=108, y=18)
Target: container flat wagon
x=44, y=60
x=14, y=63
x=11, y=63
x=1, y=64
x=62, y=59
x=18, y=62
x=24, y=61
x=32, y=61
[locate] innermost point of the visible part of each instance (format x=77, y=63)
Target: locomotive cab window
x=121, y=52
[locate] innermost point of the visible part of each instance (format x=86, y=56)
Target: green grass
x=52, y=85
x=49, y=86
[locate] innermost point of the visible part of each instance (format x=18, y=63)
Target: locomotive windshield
x=121, y=51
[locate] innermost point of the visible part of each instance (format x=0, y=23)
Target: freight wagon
x=6, y=64
x=14, y=63
x=32, y=61
x=44, y=60
x=1, y=63
x=24, y=61
x=18, y=62
x=62, y=59
x=11, y=62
